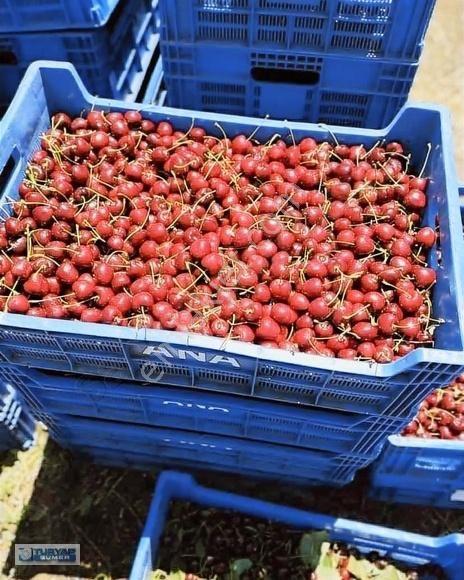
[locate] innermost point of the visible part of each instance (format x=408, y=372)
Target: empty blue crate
x=420, y=471
x=112, y=59
x=392, y=29
x=341, y=62
x=205, y=451
x=413, y=549
x=298, y=86
x=205, y=412
x=201, y=362
x=30, y=15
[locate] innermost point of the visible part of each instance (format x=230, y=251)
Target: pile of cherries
x=304, y=246
x=441, y=415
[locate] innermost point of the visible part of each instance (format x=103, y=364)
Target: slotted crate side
x=310, y=380
x=30, y=15
x=218, y=453
x=161, y=406
x=420, y=471
x=111, y=60
x=312, y=87
x=375, y=28
x=17, y=425
x=204, y=362
x=414, y=549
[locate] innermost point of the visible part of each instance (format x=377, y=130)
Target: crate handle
x=285, y=76
x=8, y=57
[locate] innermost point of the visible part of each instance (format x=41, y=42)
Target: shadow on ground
x=75, y=501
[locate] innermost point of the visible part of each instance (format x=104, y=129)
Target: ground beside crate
x=420, y=471
x=447, y=551
x=198, y=361
x=29, y=15
x=112, y=59
x=375, y=28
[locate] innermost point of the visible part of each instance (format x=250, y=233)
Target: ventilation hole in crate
x=98, y=361
x=222, y=377
x=361, y=36
x=219, y=5
x=272, y=29
x=76, y=344
x=223, y=26
x=341, y=111
x=273, y=423
x=292, y=374
x=277, y=388
x=378, y=10
x=294, y=5
x=217, y=95
x=18, y=337
x=347, y=398
x=345, y=98
x=151, y=371
x=361, y=383
x=36, y=354
x=308, y=32
x=286, y=61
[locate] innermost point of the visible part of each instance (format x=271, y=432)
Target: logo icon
x=25, y=554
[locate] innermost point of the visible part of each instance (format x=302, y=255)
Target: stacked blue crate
x=341, y=62
x=111, y=43
x=413, y=549
x=112, y=421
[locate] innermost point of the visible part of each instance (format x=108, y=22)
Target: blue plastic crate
x=414, y=549
x=205, y=412
x=175, y=447
x=420, y=471
x=298, y=86
x=340, y=62
x=27, y=15
x=195, y=361
x=112, y=59
x=368, y=28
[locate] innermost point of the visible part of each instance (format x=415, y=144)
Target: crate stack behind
x=112, y=43
x=152, y=397
x=340, y=62
x=17, y=424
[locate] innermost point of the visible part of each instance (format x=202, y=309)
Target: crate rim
x=251, y=351
x=422, y=443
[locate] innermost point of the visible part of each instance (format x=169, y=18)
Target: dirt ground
x=47, y=495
